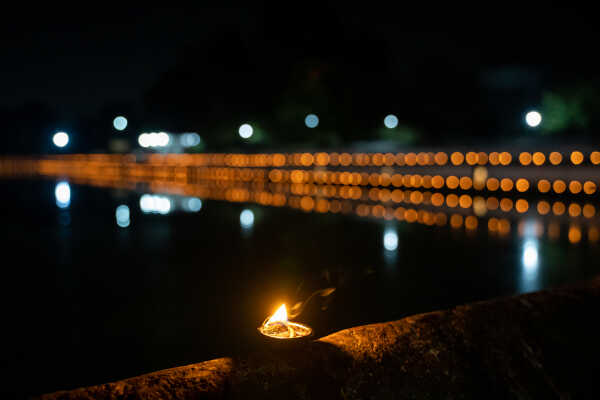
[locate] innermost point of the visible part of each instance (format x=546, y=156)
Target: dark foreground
x=539, y=345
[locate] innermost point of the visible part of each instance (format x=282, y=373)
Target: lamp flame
x=277, y=326
x=279, y=316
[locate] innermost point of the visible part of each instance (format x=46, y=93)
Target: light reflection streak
x=62, y=193
x=246, y=219
x=122, y=216
x=530, y=266
x=381, y=193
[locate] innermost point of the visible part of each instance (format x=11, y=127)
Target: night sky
x=80, y=61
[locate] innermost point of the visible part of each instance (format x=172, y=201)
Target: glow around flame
x=278, y=326
x=279, y=316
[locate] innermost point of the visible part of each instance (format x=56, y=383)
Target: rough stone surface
x=540, y=345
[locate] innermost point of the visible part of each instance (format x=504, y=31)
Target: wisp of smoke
x=299, y=306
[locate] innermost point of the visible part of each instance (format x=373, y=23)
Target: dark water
x=86, y=301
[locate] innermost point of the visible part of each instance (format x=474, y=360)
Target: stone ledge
x=538, y=345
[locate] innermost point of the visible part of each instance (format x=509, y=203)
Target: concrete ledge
x=540, y=345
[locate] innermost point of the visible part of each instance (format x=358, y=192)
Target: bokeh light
x=530, y=254
x=120, y=123
x=533, y=118
x=60, y=139
x=311, y=121
x=155, y=204
x=530, y=262
x=62, y=193
x=246, y=131
x=390, y=239
x=247, y=219
x=190, y=139
x=122, y=215
x=390, y=121
x=154, y=139
x=192, y=204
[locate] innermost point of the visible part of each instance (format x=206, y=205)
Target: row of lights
x=61, y=139
x=479, y=181
x=309, y=204
x=410, y=159
x=339, y=159
x=309, y=198
x=84, y=169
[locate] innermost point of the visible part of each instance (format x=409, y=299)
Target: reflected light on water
x=390, y=239
x=62, y=192
x=190, y=139
x=247, y=219
x=122, y=215
x=530, y=255
x=192, y=204
x=155, y=204
x=530, y=262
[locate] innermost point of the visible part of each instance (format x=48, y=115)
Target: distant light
x=533, y=118
x=122, y=215
x=245, y=131
x=390, y=239
x=60, y=139
x=120, y=123
x=62, y=192
x=390, y=121
x=247, y=219
x=190, y=139
x=530, y=255
x=155, y=204
x=144, y=140
x=154, y=139
x=193, y=204
x=162, y=139
x=311, y=121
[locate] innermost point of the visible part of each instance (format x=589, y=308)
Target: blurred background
x=170, y=176
x=211, y=69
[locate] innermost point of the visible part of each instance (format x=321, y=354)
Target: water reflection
x=530, y=265
x=155, y=204
x=390, y=239
x=191, y=204
x=247, y=219
x=62, y=192
x=122, y=215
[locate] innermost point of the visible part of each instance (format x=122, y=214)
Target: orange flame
x=279, y=316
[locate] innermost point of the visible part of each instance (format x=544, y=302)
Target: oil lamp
x=278, y=327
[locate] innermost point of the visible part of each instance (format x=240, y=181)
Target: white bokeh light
x=311, y=121
x=154, y=139
x=120, y=123
x=530, y=261
x=62, y=193
x=193, y=204
x=122, y=215
x=530, y=255
x=246, y=131
x=247, y=219
x=155, y=204
x=60, y=139
x=390, y=239
x=390, y=121
x=190, y=139
x=533, y=118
